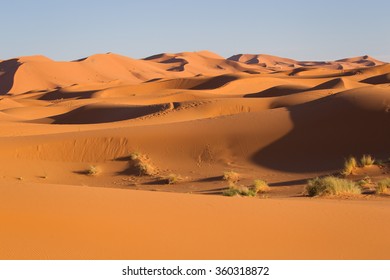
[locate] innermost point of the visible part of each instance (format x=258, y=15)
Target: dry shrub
x=142, y=164
x=331, y=185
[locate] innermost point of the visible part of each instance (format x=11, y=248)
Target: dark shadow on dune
x=80, y=59
x=60, y=94
x=81, y=172
x=178, y=63
x=153, y=80
x=277, y=91
x=156, y=56
x=335, y=75
x=182, y=61
x=376, y=80
x=338, y=82
x=215, y=82
x=212, y=191
x=289, y=183
x=8, y=70
x=131, y=169
x=179, y=68
x=210, y=179
x=252, y=72
x=158, y=181
x=94, y=114
x=326, y=131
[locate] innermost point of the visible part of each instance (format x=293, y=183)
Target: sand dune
x=196, y=115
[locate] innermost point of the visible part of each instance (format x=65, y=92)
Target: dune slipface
x=79, y=138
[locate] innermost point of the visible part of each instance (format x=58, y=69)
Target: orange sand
x=74, y=222
x=195, y=115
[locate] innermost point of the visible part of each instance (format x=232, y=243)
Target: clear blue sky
x=305, y=30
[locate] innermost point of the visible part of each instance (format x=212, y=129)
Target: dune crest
x=39, y=73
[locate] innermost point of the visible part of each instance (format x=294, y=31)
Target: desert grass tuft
x=231, y=176
x=367, y=160
x=173, y=179
x=260, y=186
x=383, y=186
x=234, y=190
x=135, y=155
x=93, y=170
x=331, y=185
x=230, y=192
x=349, y=166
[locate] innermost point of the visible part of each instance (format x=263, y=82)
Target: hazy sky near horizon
x=304, y=30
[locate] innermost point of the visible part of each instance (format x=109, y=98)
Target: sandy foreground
x=194, y=115
x=73, y=222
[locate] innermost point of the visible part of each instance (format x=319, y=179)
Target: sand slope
x=195, y=115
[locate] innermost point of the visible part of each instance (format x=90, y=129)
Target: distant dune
x=39, y=73
x=70, y=132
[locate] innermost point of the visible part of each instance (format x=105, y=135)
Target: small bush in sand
x=146, y=168
x=231, y=176
x=234, y=190
x=93, y=170
x=261, y=186
x=173, y=179
x=366, y=160
x=383, y=186
x=135, y=156
x=142, y=164
x=349, y=166
x=331, y=185
x=230, y=192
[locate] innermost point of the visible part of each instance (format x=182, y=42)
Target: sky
x=303, y=30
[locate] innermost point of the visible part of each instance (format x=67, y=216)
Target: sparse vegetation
x=173, y=179
x=231, y=192
x=365, y=181
x=261, y=186
x=383, y=186
x=93, y=170
x=258, y=186
x=380, y=189
x=142, y=164
x=135, y=156
x=385, y=182
x=245, y=191
x=331, y=185
x=367, y=160
x=234, y=190
x=231, y=176
x=349, y=166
